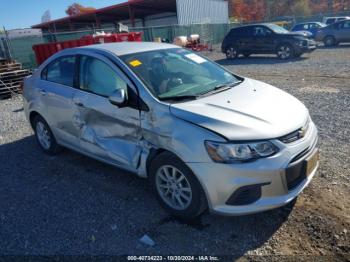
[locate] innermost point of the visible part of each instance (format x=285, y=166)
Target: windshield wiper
x=222, y=87
x=178, y=98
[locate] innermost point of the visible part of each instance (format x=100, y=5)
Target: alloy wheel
x=43, y=135
x=329, y=41
x=173, y=187
x=231, y=53
x=284, y=52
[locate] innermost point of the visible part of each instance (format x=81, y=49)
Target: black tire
x=198, y=203
x=285, y=51
x=329, y=41
x=53, y=147
x=246, y=54
x=232, y=52
x=297, y=55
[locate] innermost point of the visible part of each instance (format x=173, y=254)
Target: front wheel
x=285, y=52
x=329, y=41
x=176, y=187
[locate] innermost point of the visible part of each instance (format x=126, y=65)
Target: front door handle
x=43, y=92
x=80, y=104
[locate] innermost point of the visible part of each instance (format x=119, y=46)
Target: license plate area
x=297, y=173
x=311, y=162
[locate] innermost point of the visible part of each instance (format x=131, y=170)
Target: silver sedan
x=204, y=137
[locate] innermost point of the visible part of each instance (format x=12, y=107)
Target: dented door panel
x=107, y=131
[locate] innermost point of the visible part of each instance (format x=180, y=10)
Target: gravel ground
x=70, y=204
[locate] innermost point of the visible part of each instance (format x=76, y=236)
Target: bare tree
x=46, y=17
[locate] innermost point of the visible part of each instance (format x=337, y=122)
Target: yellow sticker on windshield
x=135, y=63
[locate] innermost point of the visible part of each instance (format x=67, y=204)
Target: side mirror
x=118, y=98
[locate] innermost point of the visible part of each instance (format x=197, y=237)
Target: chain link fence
x=21, y=48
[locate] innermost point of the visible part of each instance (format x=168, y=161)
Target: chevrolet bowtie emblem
x=302, y=132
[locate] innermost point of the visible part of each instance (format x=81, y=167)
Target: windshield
x=177, y=72
x=278, y=29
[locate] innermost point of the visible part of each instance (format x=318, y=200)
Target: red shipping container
x=44, y=51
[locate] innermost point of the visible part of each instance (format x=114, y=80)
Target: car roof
x=305, y=23
x=341, y=21
x=125, y=48
x=251, y=25
x=328, y=17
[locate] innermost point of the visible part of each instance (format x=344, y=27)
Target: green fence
x=21, y=48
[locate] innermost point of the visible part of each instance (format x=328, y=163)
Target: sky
x=25, y=13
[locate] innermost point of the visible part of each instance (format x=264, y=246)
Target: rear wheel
x=44, y=136
x=329, y=41
x=285, y=51
x=176, y=187
x=231, y=53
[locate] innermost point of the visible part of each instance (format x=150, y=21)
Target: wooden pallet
x=11, y=78
x=10, y=67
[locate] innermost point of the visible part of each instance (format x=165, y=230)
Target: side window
x=330, y=21
x=261, y=31
x=346, y=25
x=60, y=71
x=306, y=27
x=338, y=25
x=98, y=77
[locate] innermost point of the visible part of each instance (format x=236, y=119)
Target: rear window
x=60, y=71
x=242, y=31
x=330, y=21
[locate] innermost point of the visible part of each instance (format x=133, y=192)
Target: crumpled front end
x=238, y=189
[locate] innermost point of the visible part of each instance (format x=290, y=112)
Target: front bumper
x=307, y=47
x=220, y=181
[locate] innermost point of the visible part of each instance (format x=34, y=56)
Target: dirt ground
x=72, y=205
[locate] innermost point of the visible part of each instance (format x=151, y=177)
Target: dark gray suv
x=265, y=39
x=335, y=33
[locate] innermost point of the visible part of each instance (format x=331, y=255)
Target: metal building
x=144, y=13
x=202, y=11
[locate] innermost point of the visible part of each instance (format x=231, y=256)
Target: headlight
x=231, y=153
x=302, y=43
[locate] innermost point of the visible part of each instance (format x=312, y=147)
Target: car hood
x=252, y=110
x=299, y=34
x=302, y=33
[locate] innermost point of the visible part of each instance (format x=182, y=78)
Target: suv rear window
x=241, y=31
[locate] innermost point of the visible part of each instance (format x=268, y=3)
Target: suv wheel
x=176, y=187
x=44, y=136
x=231, y=53
x=329, y=41
x=285, y=51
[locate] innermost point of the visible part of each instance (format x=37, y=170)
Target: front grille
x=296, y=135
